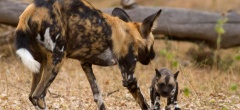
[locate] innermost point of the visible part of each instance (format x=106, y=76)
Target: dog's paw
x=157, y=109
x=168, y=108
x=177, y=108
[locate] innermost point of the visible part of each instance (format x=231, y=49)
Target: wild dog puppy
x=164, y=84
x=49, y=31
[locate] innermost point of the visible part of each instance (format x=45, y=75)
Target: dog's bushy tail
x=22, y=43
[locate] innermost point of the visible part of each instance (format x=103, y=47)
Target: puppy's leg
x=155, y=99
x=95, y=89
x=127, y=66
x=176, y=107
x=152, y=97
x=173, y=100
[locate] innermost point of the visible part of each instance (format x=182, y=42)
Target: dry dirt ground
x=202, y=87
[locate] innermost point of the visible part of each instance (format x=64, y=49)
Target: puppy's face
x=165, y=82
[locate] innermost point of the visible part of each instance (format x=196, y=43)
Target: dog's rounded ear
x=149, y=24
x=120, y=13
x=176, y=75
x=158, y=74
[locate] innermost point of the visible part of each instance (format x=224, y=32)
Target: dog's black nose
x=165, y=92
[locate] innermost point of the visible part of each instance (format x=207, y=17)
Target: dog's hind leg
x=35, y=80
x=36, y=77
x=53, y=64
x=87, y=68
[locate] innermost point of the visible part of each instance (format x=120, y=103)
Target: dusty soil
x=202, y=87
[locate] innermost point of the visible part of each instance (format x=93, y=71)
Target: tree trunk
x=178, y=24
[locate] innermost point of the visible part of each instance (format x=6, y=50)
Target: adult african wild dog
x=50, y=31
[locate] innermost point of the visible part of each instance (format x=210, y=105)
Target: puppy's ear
x=176, y=75
x=158, y=74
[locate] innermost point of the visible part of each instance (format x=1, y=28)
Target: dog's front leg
x=173, y=100
x=155, y=99
x=94, y=86
x=127, y=66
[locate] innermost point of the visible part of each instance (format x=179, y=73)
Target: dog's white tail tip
x=28, y=60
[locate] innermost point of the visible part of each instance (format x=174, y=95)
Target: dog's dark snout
x=165, y=92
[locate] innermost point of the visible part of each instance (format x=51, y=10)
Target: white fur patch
x=57, y=36
x=62, y=49
x=154, y=25
x=129, y=77
x=176, y=104
x=107, y=54
x=173, y=91
x=48, y=43
x=98, y=97
x=28, y=60
x=157, y=101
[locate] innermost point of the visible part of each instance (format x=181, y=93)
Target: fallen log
x=10, y=11
x=176, y=23
x=191, y=25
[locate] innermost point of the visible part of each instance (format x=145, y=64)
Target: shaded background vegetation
x=204, y=82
